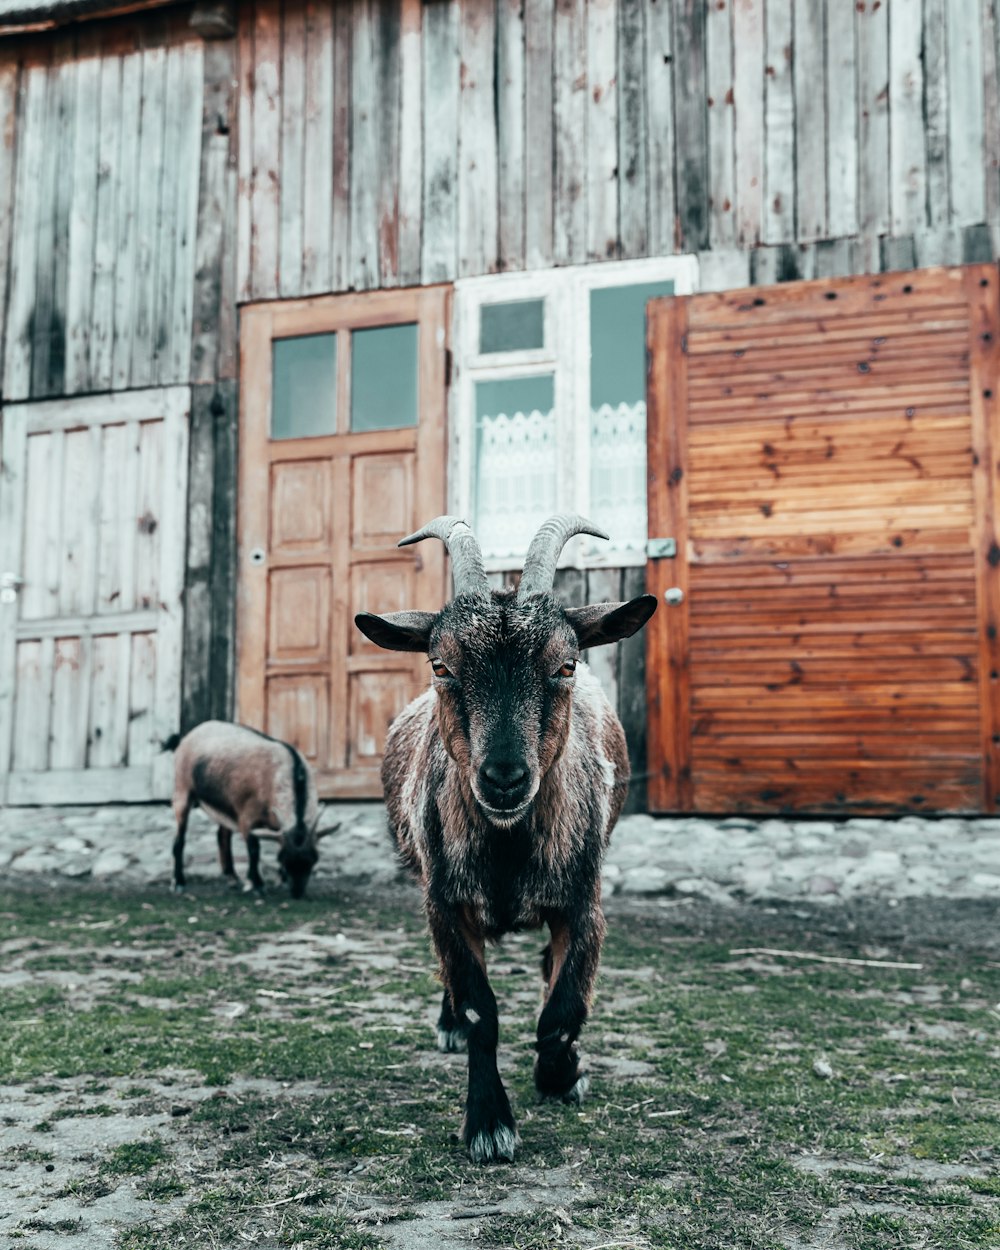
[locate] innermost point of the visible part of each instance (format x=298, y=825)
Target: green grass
x=704, y=1104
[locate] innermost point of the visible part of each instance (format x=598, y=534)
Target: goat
x=251, y=784
x=503, y=782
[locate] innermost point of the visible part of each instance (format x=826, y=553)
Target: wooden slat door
x=319, y=518
x=825, y=455
x=92, y=526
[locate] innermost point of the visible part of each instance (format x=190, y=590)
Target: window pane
x=304, y=386
x=515, y=327
x=384, y=378
x=618, y=410
x=515, y=461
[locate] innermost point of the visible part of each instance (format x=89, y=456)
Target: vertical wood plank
x=810, y=119
x=13, y=474
x=127, y=228
x=538, y=207
x=570, y=131
x=9, y=78
x=660, y=115
x=365, y=157
x=872, y=41
x=748, y=86
x=225, y=408
x=388, y=34
x=266, y=151
x=602, y=129
x=633, y=169
x=441, y=94
x=244, y=152
x=214, y=233
x=410, y=141
x=81, y=274
x=991, y=121
x=966, y=112
x=604, y=586
x=779, y=125
x=981, y=288
x=109, y=175
x=692, y=176
x=169, y=228
x=150, y=177
x=477, y=162
x=935, y=66
x=510, y=132
x=27, y=195
x=721, y=123
x=178, y=311
x=317, y=195
x=633, y=701
x=667, y=662
x=907, y=153
x=841, y=120
x=343, y=160
x=293, y=106
x=197, y=676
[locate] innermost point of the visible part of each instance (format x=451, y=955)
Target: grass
x=284, y=1053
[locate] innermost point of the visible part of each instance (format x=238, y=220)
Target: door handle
x=673, y=595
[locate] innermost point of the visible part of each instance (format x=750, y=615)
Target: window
x=549, y=404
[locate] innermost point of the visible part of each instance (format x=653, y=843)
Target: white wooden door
x=92, y=540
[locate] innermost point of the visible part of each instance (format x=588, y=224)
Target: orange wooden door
x=342, y=452
x=825, y=456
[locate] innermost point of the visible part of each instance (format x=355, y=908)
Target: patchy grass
x=277, y=1062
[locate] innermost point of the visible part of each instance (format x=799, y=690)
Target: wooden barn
x=281, y=280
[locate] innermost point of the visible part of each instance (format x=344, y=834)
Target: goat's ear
x=397, y=631
x=610, y=622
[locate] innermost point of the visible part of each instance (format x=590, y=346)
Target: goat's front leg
x=570, y=969
x=254, y=880
x=489, y=1130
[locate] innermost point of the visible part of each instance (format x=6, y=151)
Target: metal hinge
x=661, y=548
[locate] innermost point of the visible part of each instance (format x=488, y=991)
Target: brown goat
x=503, y=783
x=251, y=784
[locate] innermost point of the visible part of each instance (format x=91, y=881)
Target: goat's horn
x=543, y=554
x=466, y=557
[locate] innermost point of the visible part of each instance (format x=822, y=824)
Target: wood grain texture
x=721, y=101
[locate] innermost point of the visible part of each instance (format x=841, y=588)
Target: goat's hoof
x=495, y=1145
x=250, y=888
x=177, y=887
x=452, y=1041
x=579, y=1091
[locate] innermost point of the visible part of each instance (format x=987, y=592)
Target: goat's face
x=297, y=857
x=503, y=675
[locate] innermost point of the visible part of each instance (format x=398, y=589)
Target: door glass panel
x=513, y=327
x=618, y=409
x=515, y=461
x=384, y=378
x=304, y=386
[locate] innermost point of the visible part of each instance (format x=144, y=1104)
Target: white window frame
x=566, y=355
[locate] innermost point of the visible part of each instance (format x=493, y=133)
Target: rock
x=701, y=887
x=822, y=1068
x=109, y=863
x=823, y=885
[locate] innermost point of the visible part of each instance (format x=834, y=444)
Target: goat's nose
x=505, y=774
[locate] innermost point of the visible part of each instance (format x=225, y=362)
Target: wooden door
x=825, y=456
x=322, y=504
x=92, y=540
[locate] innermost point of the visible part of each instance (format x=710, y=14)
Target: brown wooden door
x=825, y=455
x=342, y=452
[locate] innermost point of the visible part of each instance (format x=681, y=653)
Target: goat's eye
x=439, y=669
x=568, y=669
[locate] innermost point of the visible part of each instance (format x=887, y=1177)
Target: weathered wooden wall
x=389, y=142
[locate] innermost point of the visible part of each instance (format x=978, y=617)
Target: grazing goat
x=503, y=783
x=250, y=784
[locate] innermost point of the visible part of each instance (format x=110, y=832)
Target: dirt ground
x=220, y=1071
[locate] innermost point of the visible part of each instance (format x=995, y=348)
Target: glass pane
x=384, y=378
x=514, y=327
x=515, y=461
x=304, y=386
x=618, y=410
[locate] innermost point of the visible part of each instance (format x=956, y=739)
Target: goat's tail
x=171, y=743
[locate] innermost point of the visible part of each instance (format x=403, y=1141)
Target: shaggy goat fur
x=503, y=783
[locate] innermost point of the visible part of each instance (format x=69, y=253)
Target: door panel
x=92, y=520
x=822, y=453
x=319, y=521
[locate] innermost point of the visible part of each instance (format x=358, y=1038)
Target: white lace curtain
x=516, y=476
